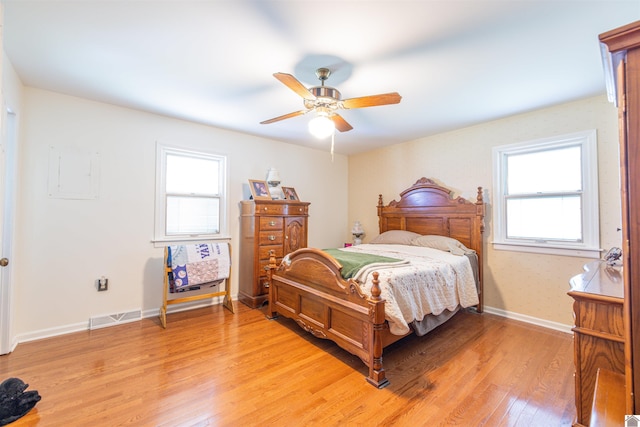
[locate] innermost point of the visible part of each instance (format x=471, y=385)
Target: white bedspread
x=433, y=281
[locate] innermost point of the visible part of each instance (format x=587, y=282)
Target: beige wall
x=62, y=246
x=519, y=284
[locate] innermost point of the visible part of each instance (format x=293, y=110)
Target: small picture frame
x=290, y=193
x=259, y=189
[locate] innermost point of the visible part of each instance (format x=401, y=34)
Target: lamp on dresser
x=273, y=180
x=357, y=231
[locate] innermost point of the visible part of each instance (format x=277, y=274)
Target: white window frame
x=162, y=151
x=589, y=247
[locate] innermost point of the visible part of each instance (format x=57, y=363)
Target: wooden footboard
x=308, y=288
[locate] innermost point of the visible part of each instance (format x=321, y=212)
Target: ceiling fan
x=326, y=101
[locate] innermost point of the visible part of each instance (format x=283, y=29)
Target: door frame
x=8, y=202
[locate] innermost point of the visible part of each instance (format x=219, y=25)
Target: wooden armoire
x=267, y=225
x=622, y=48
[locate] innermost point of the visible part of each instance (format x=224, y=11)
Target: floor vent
x=114, y=319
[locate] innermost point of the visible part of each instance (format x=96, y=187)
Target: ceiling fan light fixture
x=325, y=101
x=321, y=127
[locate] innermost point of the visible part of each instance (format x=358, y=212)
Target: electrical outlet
x=103, y=284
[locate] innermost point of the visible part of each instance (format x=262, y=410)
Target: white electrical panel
x=74, y=173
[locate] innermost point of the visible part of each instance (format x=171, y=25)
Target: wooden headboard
x=427, y=208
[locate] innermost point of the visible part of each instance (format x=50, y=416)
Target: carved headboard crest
x=426, y=183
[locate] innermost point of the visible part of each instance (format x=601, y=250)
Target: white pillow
x=442, y=243
x=395, y=237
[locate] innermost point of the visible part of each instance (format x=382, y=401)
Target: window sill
x=549, y=250
x=161, y=243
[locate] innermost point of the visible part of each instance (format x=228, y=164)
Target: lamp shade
x=357, y=229
x=321, y=127
x=273, y=176
x=357, y=232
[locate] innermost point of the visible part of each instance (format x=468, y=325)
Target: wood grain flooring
x=214, y=368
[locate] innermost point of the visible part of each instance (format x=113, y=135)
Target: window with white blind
x=546, y=196
x=190, y=195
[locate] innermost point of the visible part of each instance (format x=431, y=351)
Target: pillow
x=442, y=243
x=395, y=237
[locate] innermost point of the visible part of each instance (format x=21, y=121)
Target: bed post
x=377, y=376
x=380, y=206
x=480, y=211
x=272, y=313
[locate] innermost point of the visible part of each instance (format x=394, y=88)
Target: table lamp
x=357, y=232
x=273, y=179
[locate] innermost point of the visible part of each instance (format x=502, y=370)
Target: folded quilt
x=200, y=263
x=358, y=265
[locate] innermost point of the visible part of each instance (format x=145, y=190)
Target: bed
x=308, y=285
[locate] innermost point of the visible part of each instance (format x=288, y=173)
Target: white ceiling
x=455, y=63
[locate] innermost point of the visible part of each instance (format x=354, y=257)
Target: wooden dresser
x=599, y=336
x=266, y=225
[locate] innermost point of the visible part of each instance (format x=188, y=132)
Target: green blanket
x=352, y=262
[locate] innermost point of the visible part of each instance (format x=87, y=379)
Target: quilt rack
x=192, y=295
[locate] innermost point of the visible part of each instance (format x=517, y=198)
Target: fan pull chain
x=333, y=136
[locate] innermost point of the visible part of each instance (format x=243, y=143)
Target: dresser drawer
x=268, y=238
x=270, y=223
x=263, y=251
x=263, y=268
x=282, y=209
x=274, y=209
x=263, y=286
x=297, y=210
x=600, y=316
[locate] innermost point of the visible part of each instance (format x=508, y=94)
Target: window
x=546, y=196
x=190, y=195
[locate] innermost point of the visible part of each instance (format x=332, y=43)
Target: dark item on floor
x=14, y=401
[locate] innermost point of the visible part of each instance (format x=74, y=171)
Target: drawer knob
x=272, y=237
x=272, y=223
x=265, y=208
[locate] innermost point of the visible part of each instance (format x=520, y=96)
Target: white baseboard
x=529, y=319
x=83, y=326
x=51, y=332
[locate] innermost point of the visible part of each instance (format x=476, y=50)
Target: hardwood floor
x=214, y=368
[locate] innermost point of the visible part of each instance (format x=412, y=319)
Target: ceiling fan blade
x=341, y=124
x=295, y=85
x=372, y=100
x=285, y=116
